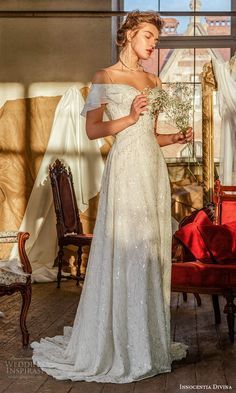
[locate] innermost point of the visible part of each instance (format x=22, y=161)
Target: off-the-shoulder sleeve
x=96, y=97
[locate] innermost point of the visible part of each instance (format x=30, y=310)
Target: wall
x=45, y=50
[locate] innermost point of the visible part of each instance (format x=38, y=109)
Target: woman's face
x=144, y=41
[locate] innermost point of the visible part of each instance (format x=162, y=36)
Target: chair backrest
x=224, y=198
x=64, y=198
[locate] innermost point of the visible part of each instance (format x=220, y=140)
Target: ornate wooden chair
x=69, y=227
x=16, y=277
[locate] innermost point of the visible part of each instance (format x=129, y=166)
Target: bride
x=121, y=331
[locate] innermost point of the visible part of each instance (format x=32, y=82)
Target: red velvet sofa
x=197, y=268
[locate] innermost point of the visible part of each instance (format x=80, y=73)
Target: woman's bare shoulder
x=105, y=75
x=155, y=79
x=158, y=81
x=100, y=76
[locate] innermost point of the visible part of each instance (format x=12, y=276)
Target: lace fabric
x=121, y=331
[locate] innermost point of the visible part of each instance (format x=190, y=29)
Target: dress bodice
x=118, y=99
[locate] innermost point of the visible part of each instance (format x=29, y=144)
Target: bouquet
x=180, y=105
x=158, y=100
x=175, y=101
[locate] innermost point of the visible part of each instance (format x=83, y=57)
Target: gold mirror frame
x=209, y=85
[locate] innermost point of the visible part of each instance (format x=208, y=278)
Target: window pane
x=174, y=5
x=215, y=5
x=141, y=5
x=176, y=65
x=173, y=65
x=198, y=26
x=195, y=5
x=177, y=25
x=214, y=25
x=203, y=55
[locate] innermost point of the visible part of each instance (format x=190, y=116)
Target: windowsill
x=186, y=161
x=183, y=161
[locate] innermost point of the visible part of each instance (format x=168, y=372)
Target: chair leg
x=230, y=310
x=185, y=296
x=198, y=299
x=216, y=307
x=79, y=252
x=60, y=261
x=26, y=299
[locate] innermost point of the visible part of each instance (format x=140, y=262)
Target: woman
x=121, y=332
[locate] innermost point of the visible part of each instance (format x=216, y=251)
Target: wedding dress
x=121, y=332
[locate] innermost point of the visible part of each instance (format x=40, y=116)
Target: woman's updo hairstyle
x=133, y=21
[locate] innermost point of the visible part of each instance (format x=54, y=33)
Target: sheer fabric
x=121, y=331
x=69, y=142
x=226, y=80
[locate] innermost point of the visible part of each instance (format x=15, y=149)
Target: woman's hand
x=139, y=105
x=183, y=137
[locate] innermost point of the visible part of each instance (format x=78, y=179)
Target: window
x=194, y=32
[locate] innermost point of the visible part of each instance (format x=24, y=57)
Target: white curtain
x=225, y=77
x=68, y=141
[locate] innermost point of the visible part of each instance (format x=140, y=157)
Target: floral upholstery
x=11, y=271
x=8, y=277
x=8, y=237
x=15, y=276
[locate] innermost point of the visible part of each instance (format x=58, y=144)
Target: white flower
x=176, y=101
x=158, y=100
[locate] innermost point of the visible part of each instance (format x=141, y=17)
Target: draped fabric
x=226, y=81
x=25, y=126
x=69, y=142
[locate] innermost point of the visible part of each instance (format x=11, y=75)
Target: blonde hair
x=133, y=21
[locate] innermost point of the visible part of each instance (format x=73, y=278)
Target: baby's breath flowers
x=176, y=101
x=180, y=105
x=158, y=100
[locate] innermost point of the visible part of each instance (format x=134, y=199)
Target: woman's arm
x=179, y=137
x=97, y=128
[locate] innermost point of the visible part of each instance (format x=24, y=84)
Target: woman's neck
x=129, y=61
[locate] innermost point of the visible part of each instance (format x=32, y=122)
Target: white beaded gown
x=121, y=331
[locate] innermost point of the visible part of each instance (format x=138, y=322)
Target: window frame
x=195, y=42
